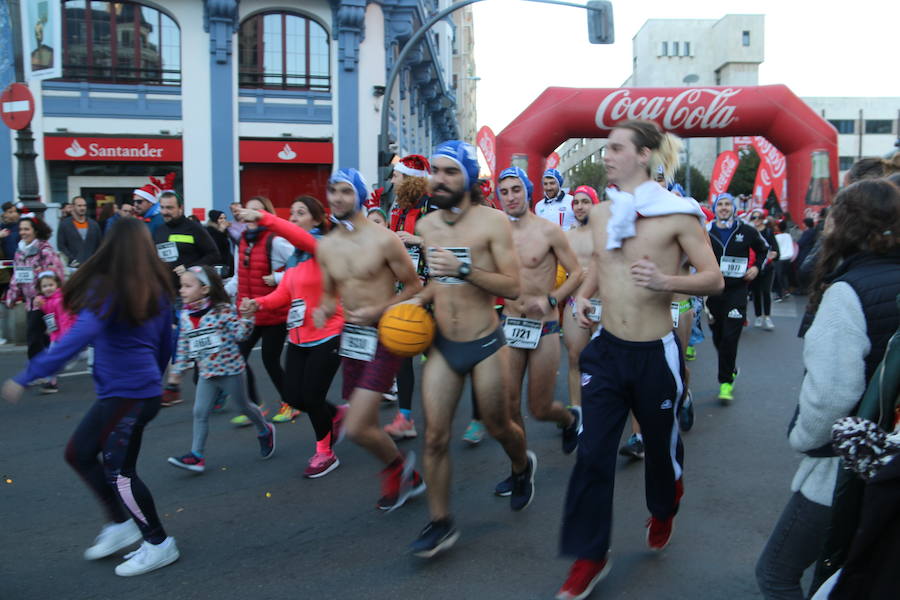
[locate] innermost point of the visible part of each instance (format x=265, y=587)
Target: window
x=745, y=38
x=878, y=126
x=675, y=49
x=283, y=51
x=119, y=42
x=845, y=162
x=844, y=125
x=663, y=49
x=687, y=49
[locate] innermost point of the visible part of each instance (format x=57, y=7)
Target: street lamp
x=688, y=79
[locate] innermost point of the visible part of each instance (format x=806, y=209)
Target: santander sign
x=692, y=108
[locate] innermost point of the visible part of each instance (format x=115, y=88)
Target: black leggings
x=762, y=292
x=113, y=428
x=272, y=344
x=309, y=372
x=35, y=332
x=406, y=383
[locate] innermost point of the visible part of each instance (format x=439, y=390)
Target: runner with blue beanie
x=556, y=205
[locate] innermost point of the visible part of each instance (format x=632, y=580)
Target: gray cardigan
x=69, y=242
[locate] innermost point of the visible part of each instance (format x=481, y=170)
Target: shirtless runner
x=361, y=263
x=634, y=362
x=531, y=321
x=575, y=335
x=470, y=256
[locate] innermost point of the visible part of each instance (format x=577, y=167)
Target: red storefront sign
x=112, y=149
x=286, y=152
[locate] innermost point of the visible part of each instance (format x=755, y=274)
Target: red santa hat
x=149, y=192
x=414, y=165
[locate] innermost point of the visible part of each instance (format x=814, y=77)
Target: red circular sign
x=17, y=106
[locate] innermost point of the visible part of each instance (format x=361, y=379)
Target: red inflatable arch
x=772, y=111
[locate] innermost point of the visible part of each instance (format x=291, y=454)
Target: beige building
x=464, y=79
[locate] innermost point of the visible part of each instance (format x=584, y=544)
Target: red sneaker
x=583, y=576
x=659, y=531
x=171, y=397
x=399, y=483
x=337, y=424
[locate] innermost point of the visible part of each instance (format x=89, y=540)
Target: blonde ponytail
x=666, y=156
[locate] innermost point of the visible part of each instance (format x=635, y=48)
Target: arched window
x=283, y=51
x=119, y=42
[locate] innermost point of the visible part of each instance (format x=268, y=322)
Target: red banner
x=761, y=187
x=723, y=171
x=286, y=151
x=487, y=143
x=552, y=161
x=57, y=147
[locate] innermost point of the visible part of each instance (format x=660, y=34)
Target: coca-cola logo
x=764, y=177
x=726, y=172
x=486, y=145
x=552, y=161
x=771, y=155
x=692, y=108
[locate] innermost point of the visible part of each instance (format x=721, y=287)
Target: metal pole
x=687, y=168
x=407, y=48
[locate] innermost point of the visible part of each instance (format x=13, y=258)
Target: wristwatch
x=465, y=269
x=553, y=301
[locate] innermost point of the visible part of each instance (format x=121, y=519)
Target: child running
x=57, y=320
x=210, y=330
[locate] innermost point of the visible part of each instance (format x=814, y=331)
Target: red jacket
x=301, y=282
x=250, y=277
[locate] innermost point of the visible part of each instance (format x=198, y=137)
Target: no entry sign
x=17, y=106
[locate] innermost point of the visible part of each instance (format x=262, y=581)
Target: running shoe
x=571, y=433
x=401, y=428
x=189, y=461
x=523, y=485
x=686, y=413
x=391, y=395
x=659, y=531
x=504, y=488
x=267, y=442
x=474, y=433
x=758, y=322
x=49, y=388
x=583, y=576
x=113, y=537
x=633, y=448
x=399, y=483
x=244, y=420
x=768, y=325
x=436, y=537
x=149, y=557
x=337, y=424
x=690, y=353
x=321, y=464
x=726, y=393
x=285, y=414
x=171, y=396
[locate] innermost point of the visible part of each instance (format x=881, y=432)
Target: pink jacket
x=34, y=260
x=63, y=318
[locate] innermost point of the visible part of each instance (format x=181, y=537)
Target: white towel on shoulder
x=649, y=200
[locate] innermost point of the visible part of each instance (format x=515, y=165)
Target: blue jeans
x=793, y=547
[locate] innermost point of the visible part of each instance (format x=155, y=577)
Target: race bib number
x=465, y=256
x=676, y=314
x=733, y=266
x=167, y=251
x=297, y=314
x=414, y=255
x=596, y=310
x=524, y=334
x=203, y=341
x=23, y=274
x=50, y=322
x=359, y=343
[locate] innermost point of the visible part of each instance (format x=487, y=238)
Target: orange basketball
x=406, y=329
x=561, y=275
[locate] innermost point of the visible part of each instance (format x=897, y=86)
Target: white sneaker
x=769, y=325
x=113, y=537
x=758, y=322
x=149, y=557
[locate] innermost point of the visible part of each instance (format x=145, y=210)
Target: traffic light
x=600, y=22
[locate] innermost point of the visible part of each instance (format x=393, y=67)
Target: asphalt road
x=250, y=529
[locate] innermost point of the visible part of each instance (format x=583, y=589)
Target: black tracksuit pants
x=728, y=310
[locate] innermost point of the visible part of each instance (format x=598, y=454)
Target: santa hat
x=414, y=165
x=149, y=192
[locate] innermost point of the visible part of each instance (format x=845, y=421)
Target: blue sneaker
x=523, y=485
x=436, y=537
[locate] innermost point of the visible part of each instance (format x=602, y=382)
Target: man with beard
x=471, y=260
x=410, y=181
x=633, y=363
x=361, y=263
x=78, y=237
x=531, y=321
x=556, y=206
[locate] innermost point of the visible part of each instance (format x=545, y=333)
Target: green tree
x=699, y=183
x=745, y=174
x=592, y=174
